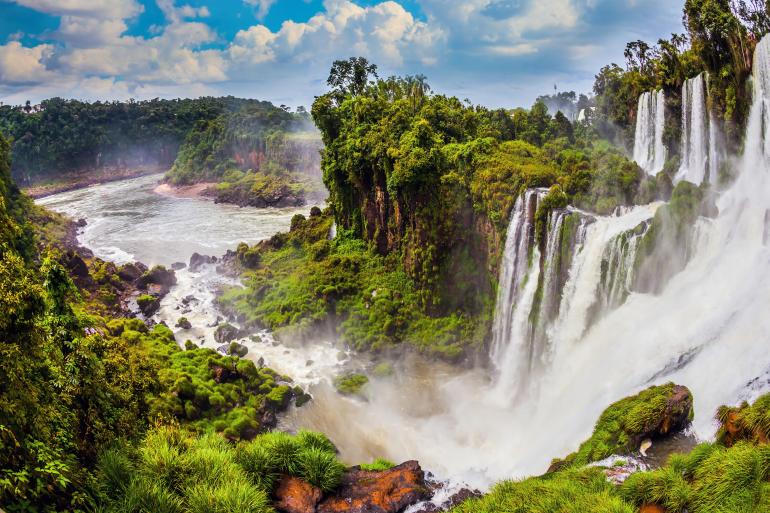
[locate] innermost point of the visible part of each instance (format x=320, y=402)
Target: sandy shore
x=183, y=191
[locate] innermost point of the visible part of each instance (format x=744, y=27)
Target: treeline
x=60, y=137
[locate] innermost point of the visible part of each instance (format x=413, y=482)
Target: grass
x=621, y=425
x=378, y=465
x=177, y=471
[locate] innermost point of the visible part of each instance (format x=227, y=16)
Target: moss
x=350, y=384
x=621, y=425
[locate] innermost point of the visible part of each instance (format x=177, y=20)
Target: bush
x=350, y=384
x=320, y=468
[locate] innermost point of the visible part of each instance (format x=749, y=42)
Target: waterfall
x=550, y=292
x=700, y=150
x=649, y=151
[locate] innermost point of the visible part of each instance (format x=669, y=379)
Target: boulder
x=183, y=323
x=178, y=266
x=148, y=305
x=388, y=491
x=295, y=495
x=226, y=333
x=131, y=271
x=158, y=275
x=197, y=261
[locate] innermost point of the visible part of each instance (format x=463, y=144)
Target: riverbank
x=88, y=179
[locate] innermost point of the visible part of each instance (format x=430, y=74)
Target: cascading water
x=700, y=139
x=649, y=151
x=547, y=300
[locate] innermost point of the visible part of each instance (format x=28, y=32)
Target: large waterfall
x=649, y=151
x=550, y=292
x=700, y=152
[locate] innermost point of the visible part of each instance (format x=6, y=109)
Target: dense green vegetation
x=73, y=382
x=60, y=137
x=259, y=156
x=174, y=471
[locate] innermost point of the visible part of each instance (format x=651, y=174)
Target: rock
x=178, y=266
x=236, y=349
x=188, y=299
x=183, y=323
x=295, y=495
x=76, y=265
x=131, y=271
x=148, y=305
x=80, y=223
x=652, y=508
x=388, y=491
x=197, y=261
x=454, y=500
x=159, y=276
x=315, y=212
x=676, y=416
x=226, y=333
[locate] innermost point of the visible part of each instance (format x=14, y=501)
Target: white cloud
x=119, y=9
x=385, y=33
x=21, y=65
x=262, y=6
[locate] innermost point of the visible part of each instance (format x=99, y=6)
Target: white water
x=708, y=329
x=700, y=135
x=649, y=151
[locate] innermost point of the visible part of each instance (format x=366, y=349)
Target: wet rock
x=233, y=349
x=454, y=500
x=80, y=223
x=315, y=212
x=188, y=299
x=197, y=261
x=178, y=266
x=295, y=495
x=131, y=272
x=388, y=491
x=148, y=305
x=183, y=323
x=163, y=279
x=226, y=333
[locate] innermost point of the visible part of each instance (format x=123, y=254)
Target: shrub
x=320, y=468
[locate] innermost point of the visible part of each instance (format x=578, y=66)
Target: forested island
x=464, y=288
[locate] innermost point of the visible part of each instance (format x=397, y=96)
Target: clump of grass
x=320, y=468
x=377, y=465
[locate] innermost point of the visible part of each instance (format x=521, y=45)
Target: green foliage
x=59, y=138
x=573, y=491
x=350, y=384
x=621, y=424
x=378, y=465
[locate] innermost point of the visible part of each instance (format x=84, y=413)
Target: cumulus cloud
x=385, y=33
x=262, y=7
x=119, y=9
x=21, y=65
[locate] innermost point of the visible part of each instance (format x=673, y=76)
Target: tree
x=351, y=76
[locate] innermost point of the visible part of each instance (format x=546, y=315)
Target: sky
x=499, y=53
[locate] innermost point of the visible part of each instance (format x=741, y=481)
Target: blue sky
x=494, y=52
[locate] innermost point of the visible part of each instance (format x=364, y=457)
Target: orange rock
x=389, y=491
x=652, y=508
x=294, y=495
